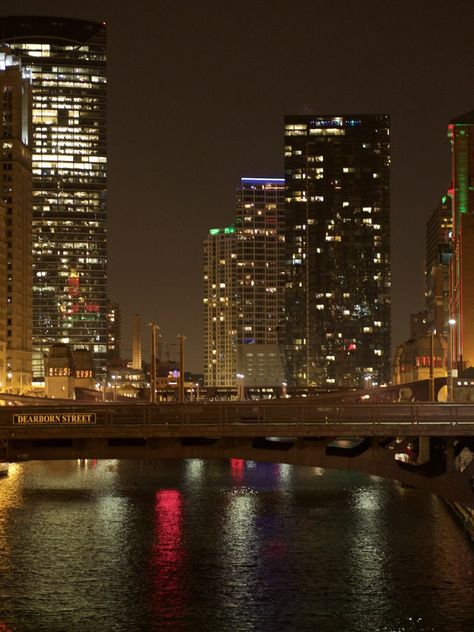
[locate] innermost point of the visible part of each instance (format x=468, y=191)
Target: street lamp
x=451, y=323
x=181, y=339
x=154, y=327
x=114, y=382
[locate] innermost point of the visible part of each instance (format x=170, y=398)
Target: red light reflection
x=237, y=467
x=167, y=561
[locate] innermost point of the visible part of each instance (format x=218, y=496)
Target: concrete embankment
x=464, y=515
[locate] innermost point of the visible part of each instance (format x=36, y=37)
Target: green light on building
x=228, y=230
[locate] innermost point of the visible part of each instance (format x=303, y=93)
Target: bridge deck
x=251, y=419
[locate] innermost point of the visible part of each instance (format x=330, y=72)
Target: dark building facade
x=67, y=61
x=15, y=197
x=461, y=293
x=439, y=229
x=337, y=172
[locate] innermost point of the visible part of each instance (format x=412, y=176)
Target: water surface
x=230, y=546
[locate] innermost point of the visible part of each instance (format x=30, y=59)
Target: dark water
x=226, y=546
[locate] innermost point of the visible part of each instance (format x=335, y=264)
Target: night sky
x=197, y=96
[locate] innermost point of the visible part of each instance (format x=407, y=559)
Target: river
x=228, y=546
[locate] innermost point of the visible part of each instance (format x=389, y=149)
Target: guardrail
x=266, y=413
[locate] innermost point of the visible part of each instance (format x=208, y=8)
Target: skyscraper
x=220, y=327
x=244, y=290
x=337, y=250
x=16, y=259
x=114, y=334
x=438, y=256
x=67, y=61
x=461, y=135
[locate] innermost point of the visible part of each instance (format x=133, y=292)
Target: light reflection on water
x=228, y=546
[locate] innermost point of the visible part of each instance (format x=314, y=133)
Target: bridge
x=424, y=445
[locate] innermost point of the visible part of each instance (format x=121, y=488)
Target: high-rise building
x=244, y=283
x=461, y=135
x=16, y=258
x=114, y=334
x=220, y=327
x=438, y=256
x=67, y=61
x=337, y=170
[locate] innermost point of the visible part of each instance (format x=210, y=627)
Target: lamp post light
x=181, y=339
x=449, y=381
x=114, y=382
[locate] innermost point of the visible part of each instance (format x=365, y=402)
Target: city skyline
x=207, y=99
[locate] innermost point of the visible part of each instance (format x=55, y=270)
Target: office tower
x=244, y=291
x=438, y=256
x=337, y=171
x=461, y=135
x=67, y=61
x=114, y=334
x=136, y=342
x=16, y=259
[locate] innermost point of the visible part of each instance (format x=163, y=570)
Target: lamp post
x=431, y=380
x=181, y=339
x=114, y=382
x=154, y=327
x=449, y=397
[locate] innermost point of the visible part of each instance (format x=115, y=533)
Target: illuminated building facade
x=16, y=214
x=136, y=342
x=3, y=295
x=337, y=171
x=244, y=291
x=114, y=330
x=220, y=327
x=439, y=230
x=461, y=135
x=67, y=61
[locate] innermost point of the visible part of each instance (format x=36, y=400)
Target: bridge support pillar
x=424, y=453
x=450, y=459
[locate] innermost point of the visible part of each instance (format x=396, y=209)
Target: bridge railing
x=268, y=412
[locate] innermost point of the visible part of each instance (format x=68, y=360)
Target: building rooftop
x=41, y=28
x=464, y=119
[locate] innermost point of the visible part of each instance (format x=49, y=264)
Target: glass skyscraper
x=244, y=280
x=67, y=61
x=337, y=170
